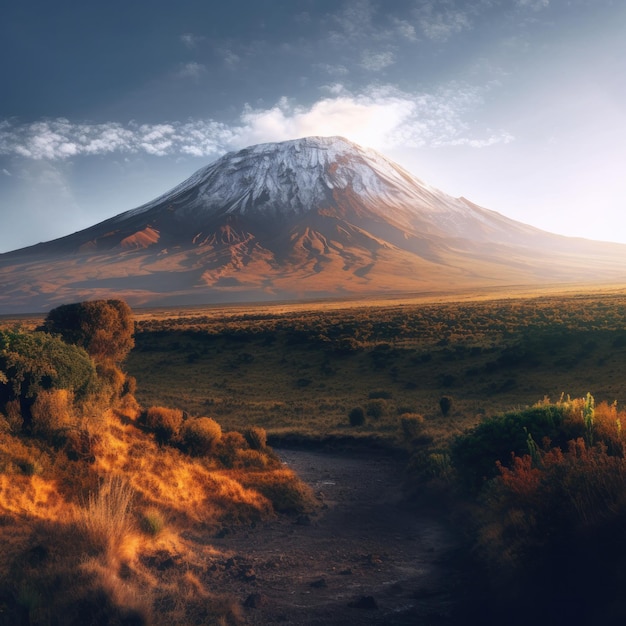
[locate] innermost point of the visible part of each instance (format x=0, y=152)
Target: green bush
x=357, y=416
x=201, y=435
x=474, y=454
x=34, y=362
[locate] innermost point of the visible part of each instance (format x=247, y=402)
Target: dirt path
x=362, y=548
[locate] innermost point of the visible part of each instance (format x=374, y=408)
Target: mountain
x=313, y=217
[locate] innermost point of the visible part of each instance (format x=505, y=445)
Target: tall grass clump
x=107, y=517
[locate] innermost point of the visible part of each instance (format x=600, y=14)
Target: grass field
x=301, y=371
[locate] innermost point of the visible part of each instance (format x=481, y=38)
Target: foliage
x=36, y=362
x=51, y=412
x=412, y=425
x=376, y=409
x=475, y=453
x=445, y=404
x=200, y=435
x=357, y=416
x=164, y=422
x=106, y=519
x=103, y=327
x=152, y=521
x=256, y=437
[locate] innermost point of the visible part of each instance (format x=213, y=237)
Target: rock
x=320, y=583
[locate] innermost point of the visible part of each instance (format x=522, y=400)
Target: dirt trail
x=362, y=544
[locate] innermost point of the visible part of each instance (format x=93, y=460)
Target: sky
x=517, y=105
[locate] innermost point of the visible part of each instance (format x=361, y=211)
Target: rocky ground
x=362, y=558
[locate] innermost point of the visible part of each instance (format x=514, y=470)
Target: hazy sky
x=518, y=105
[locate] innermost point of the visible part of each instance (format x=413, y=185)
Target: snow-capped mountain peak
x=295, y=177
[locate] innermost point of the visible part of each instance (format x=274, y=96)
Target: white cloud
x=230, y=59
x=332, y=70
x=404, y=29
x=535, y=5
x=354, y=21
x=190, y=40
x=191, y=70
x=438, y=21
x=377, y=61
x=379, y=117
x=6, y=172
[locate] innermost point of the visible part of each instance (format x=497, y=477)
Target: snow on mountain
x=295, y=177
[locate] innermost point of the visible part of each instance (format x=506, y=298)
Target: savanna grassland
x=302, y=372
x=126, y=457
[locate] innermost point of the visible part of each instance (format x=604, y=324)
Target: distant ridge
x=302, y=219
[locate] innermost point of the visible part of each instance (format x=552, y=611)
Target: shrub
x=381, y=394
x=228, y=446
x=152, y=522
x=357, y=416
x=412, y=425
x=35, y=362
x=200, y=435
x=165, y=423
x=256, y=437
x=283, y=488
x=103, y=327
x=52, y=412
x=445, y=404
x=377, y=409
x=475, y=453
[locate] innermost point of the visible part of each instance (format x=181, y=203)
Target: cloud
x=230, y=59
x=438, y=21
x=535, y=5
x=332, y=70
x=353, y=21
x=377, y=61
x=6, y=172
x=379, y=117
x=404, y=29
x=190, y=40
x=191, y=70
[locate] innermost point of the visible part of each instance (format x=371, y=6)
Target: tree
x=104, y=328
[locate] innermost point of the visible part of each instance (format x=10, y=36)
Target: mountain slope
x=299, y=219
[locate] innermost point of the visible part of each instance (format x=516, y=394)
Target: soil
x=362, y=558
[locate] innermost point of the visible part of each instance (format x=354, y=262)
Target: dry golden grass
x=83, y=539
